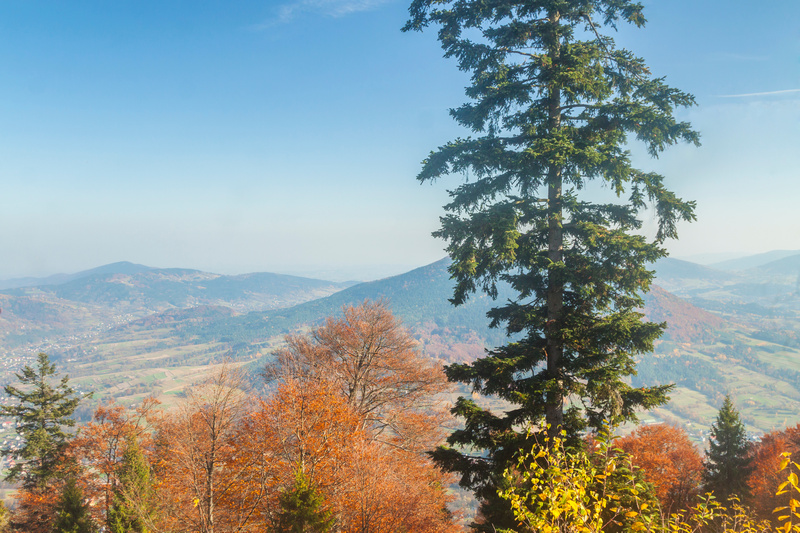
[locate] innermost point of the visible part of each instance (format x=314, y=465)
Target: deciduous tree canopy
x=373, y=362
x=669, y=461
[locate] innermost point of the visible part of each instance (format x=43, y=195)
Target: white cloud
x=768, y=93
x=285, y=13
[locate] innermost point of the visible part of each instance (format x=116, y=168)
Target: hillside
x=686, y=323
x=122, y=267
x=418, y=297
x=753, y=261
x=146, y=290
x=727, y=332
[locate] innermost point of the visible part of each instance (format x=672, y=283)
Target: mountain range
x=125, y=330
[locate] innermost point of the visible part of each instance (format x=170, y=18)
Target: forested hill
x=727, y=331
x=122, y=267
x=686, y=323
x=419, y=298
x=136, y=289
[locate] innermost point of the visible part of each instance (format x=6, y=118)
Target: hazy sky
x=286, y=136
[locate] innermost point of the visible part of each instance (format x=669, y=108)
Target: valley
x=126, y=331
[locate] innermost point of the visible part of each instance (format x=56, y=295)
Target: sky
x=285, y=136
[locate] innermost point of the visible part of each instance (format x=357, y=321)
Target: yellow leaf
x=631, y=514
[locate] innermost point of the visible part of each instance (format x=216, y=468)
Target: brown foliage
x=367, y=485
x=359, y=407
x=196, y=446
x=669, y=461
x=354, y=407
x=100, y=445
x=302, y=426
x=35, y=510
x=373, y=362
x=765, y=477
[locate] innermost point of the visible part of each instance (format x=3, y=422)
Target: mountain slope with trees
x=713, y=344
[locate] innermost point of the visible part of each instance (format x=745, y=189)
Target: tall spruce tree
x=42, y=413
x=554, y=105
x=727, y=462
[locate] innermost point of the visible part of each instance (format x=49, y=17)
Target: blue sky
x=285, y=136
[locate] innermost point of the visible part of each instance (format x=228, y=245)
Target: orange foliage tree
x=99, y=447
x=366, y=484
x=669, y=461
x=305, y=427
x=196, y=448
x=35, y=509
x=387, y=399
x=765, y=477
x=373, y=362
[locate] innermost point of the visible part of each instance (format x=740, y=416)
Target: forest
x=335, y=441
x=334, y=438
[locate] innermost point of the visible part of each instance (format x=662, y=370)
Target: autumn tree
x=727, y=462
x=34, y=510
x=765, y=476
x=100, y=447
x=669, y=461
x=554, y=107
x=196, y=448
x=360, y=406
x=374, y=363
x=558, y=488
x=391, y=490
x=367, y=485
x=42, y=412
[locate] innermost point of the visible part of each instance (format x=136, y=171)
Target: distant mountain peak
x=753, y=261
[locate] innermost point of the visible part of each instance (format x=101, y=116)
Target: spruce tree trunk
x=554, y=415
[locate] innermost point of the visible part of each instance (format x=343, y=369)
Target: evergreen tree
x=301, y=509
x=41, y=412
x=554, y=105
x=134, y=502
x=72, y=513
x=727, y=462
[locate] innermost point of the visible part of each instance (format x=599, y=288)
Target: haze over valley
x=126, y=330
